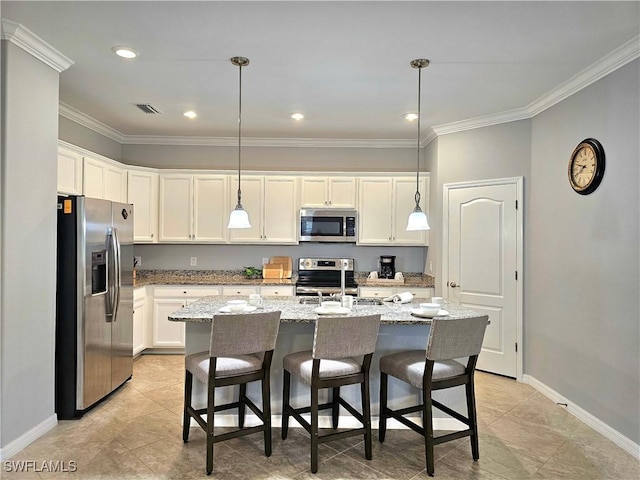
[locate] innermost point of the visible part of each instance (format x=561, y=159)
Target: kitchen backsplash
x=234, y=257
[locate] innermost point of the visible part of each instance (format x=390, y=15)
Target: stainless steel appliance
x=328, y=225
x=94, y=314
x=387, y=266
x=324, y=275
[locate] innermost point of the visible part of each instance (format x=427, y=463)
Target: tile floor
x=136, y=434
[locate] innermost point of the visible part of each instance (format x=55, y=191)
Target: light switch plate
x=194, y=261
x=265, y=260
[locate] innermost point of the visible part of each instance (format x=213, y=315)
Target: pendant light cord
x=417, y=195
x=239, y=131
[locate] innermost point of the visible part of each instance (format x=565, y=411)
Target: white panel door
x=280, y=210
x=210, y=208
x=175, y=208
x=482, y=263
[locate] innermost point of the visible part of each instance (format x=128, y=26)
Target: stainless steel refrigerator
x=94, y=315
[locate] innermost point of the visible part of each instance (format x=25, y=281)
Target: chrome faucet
x=343, y=267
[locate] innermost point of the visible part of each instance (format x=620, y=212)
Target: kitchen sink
x=361, y=301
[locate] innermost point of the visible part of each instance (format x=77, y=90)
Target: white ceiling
x=344, y=64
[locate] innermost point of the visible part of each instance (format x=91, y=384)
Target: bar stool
x=331, y=364
x=240, y=351
x=436, y=369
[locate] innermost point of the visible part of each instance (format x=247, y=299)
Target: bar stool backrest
x=455, y=338
x=345, y=336
x=243, y=333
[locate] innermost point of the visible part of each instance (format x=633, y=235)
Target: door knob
x=453, y=284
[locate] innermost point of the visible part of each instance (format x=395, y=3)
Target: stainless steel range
x=324, y=275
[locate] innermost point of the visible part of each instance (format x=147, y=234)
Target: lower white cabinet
x=240, y=289
x=384, y=292
x=276, y=291
x=166, y=300
x=140, y=320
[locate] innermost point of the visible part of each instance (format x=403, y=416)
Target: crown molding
x=91, y=123
x=34, y=45
x=619, y=57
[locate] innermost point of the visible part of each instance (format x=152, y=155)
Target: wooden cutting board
x=287, y=265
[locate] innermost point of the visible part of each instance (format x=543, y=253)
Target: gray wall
x=28, y=243
x=79, y=135
x=498, y=151
x=582, y=278
x=234, y=257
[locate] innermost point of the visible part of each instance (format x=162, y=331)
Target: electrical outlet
x=430, y=266
x=194, y=261
x=137, y=262
x=265, y=260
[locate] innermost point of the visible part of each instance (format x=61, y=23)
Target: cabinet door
x=93, y=178
x=276, y=291
x=210, y=208
x=419, y=292
x=69, y=172
x=374, y=211
x=342, y=192
x=252, y=195
x=404, y=203
x=138, y=326
x=142, y=191
x=375, y=292
x=313, y=192
x=166, y=333
x=175, y=208
x=115, y=183
x=280, y=210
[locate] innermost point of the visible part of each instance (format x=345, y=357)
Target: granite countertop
x=295, y=312
x=235, y=277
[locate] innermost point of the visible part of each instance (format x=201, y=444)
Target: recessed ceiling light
x=190, y=114
x=410, y=116
x=125, y=52
x=297, y=116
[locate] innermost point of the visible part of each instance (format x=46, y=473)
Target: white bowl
x=237, y=305
x=430, y=308
x=330, y=305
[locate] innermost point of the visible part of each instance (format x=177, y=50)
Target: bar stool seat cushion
x=198, y=364
x=300, y=364
x=408, y=366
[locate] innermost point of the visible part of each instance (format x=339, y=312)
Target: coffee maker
x=387, y=266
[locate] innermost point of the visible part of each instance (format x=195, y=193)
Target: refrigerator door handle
x=112, y=280
x=118, y=272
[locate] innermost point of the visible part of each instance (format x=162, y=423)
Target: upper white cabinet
x=334, y=192
x=142, y=192
x=384, y=204
x=104, y=179
x=193, y=208
x=69, y=171
x=272, y=204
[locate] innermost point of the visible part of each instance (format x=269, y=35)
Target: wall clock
x=586, y=166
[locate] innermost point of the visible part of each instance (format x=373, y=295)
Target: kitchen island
x=399, y=330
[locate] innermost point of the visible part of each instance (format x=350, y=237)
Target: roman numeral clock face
x=586, y=166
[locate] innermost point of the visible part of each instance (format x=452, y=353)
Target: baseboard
x=27, y=438
x=598, y=425
x=346, y=421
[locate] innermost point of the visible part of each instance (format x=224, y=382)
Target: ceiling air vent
x=148, y=108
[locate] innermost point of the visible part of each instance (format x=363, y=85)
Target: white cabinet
x=384, y=204
x=276, y=291
x=104, y=179
x=240, y=289
x=336, y=192
x=142, y=192
x=193, y=208
x=272, y=205
x=69, y=171
x=140, y=323
x=384, y=292
x=166, y=300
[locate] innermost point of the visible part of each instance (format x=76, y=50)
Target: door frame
x=519, y=184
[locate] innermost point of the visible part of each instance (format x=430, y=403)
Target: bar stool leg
x=314, y=429
x=335, y=409
x=242, y=398
x=366, y=414
x=382, y=427
x=266, y=413
x=186, y=419
x=473, y=420
x=286, y=388
x=210, y=412
x=427, y=420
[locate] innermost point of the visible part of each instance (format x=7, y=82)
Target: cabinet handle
x=152, y=235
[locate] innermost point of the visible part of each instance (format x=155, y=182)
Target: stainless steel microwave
x=331, y=225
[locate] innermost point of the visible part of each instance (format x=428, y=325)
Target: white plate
x=247, y=309
x=419, y=313
x=332, y=311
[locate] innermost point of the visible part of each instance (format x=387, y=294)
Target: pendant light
x=239, y=218
x=417, y=218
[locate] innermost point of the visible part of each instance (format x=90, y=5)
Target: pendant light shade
x=418, y=219
x=239, y=218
